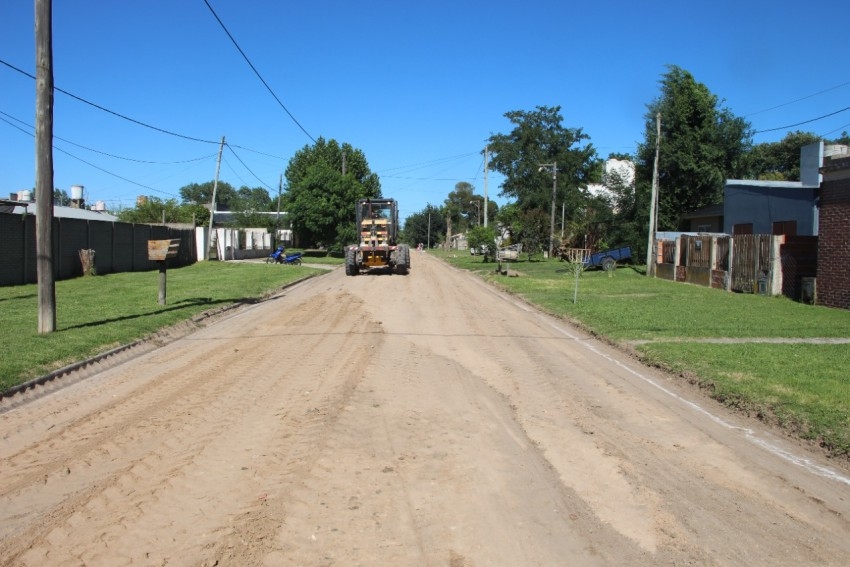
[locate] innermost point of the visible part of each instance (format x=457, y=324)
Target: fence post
x=731, y=263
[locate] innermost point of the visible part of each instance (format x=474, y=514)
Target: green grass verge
x=94, y=314
x=803, y=387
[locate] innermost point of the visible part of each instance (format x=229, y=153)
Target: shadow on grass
x=28, y=296
x=180, y=305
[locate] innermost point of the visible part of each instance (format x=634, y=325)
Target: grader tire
x=402, y=259
x=351, y=262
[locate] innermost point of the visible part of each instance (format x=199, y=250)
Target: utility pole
x=212, y=204
x=44, y=166
x=554, y=166
x=486, y=203
x=563, y=214
x=343, y=162
x=277, y=218
x=653, y=211
x=429, y=227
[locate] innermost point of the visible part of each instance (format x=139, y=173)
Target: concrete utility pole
x=486, y=202
x=554, y=166
x=653, y=210
x=277, y=218
x=44, y=166
x=212, y=204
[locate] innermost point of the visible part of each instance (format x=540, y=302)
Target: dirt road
x=390, y=420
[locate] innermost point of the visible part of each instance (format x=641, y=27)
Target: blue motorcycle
x=280, y=256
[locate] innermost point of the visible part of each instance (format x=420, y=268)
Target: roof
x=760, y=183
x=61, y=212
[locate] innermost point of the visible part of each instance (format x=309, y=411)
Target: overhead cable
x=119, y=115
x=246, y=167
x=101, y=152
x=262, y=80
x=797, y=100
x=801, y=123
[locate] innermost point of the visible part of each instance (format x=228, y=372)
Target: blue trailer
x=608, y=259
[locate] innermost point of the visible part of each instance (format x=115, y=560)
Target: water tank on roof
x=77, y=192
x=25, y=195
x=99, y=206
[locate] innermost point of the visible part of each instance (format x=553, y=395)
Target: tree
x=779, y=161
x=482, y=236
x=630, y=211
x=532, y=231
x=153, y=210
x=538, y=137
x=424, y=226
x=460, y=204
x=702, y=144
x=324, y=183
x=844, y=139
x=61, y=198
x=201, y=194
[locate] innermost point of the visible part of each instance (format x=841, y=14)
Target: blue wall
x=761, y=204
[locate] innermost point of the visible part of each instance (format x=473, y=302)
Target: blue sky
x=417, y=86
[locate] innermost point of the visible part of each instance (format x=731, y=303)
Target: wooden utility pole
x=212, y=203
x=653, y=208
x=44, y=166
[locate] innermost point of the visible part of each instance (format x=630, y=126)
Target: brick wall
x=833, y=272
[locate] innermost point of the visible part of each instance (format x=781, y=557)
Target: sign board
x=161, y=250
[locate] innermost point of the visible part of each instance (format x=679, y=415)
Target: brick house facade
x=833, y=273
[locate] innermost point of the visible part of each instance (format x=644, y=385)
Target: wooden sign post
x=160, y=251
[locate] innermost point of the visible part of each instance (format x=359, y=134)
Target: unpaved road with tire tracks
x=402, y=420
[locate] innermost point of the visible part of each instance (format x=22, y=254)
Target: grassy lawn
x=94, y=314
x=803, y=387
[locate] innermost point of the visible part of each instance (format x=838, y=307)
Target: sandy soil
x=402, y=420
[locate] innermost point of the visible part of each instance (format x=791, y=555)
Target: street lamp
x=478, y=208
x=554, y=168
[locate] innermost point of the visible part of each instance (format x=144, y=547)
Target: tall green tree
x=464, y=206
x=702, y=144
x=324, y=182
x=539, y=137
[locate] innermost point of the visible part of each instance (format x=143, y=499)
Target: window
x=788, y=227
x=746, y=228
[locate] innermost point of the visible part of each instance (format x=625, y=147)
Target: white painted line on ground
x=749, y=434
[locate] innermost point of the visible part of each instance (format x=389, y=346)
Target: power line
x=119, y=115
x=840, y=128
x=422, y=165
x=797, y=100
x=114, y=174
x=18, y=120
x=257, y=72
x=246, y=167
x=801, y=123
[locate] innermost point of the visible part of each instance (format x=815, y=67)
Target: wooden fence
x=751, y=263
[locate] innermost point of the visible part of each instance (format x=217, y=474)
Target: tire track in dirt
x=422, y=420
x=200, y=432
